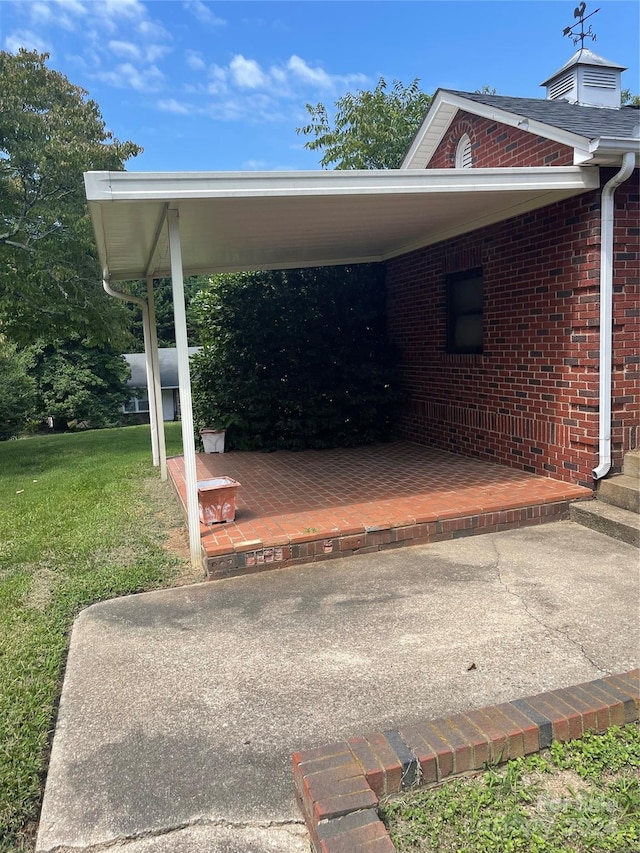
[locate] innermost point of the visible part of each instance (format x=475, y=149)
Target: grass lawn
x=579, y=797
x=83, y=518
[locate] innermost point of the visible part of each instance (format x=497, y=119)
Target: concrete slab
x=181, y=708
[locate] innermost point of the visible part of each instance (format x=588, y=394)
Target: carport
x=153, y=225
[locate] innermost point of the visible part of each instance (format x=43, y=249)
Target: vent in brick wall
x=463, y=153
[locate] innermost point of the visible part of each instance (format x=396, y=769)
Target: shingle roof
x=590, y=122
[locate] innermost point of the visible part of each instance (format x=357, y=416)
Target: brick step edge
x=339, y=786
x=248, y=558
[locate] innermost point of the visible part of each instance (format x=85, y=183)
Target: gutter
x=606, y=313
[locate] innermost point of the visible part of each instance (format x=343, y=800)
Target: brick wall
x=494, y=144
x=531, y=399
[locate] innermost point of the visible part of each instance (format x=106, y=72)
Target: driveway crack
x=497, y=565
x=291, y=826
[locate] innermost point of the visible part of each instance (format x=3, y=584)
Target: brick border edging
x=338, y=786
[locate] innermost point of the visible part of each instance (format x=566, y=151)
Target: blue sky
x=223, y=85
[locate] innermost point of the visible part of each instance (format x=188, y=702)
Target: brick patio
x=314, y=505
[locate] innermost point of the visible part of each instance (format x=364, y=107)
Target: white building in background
x=138, y=404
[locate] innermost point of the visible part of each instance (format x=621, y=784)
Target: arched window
x=463, y=153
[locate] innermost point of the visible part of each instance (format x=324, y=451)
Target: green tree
x=295, y=358
x=626, y=98
x=369, y=130
x=50, y=133
x=163, y=300
x=79, y=382
x=17, y=390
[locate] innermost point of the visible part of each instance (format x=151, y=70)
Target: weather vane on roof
x=578, y=13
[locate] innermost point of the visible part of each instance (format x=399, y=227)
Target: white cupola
x=586, y=79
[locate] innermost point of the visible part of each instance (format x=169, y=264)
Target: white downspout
x=184, y=381
x=606, y=313
x=146, y=332
x=153, y=340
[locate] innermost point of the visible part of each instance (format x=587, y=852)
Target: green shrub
x=17, y=390
x=295, y=359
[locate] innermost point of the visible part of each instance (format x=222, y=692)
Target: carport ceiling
x=265, y=220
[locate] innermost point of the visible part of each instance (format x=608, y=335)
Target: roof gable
x=569, y=124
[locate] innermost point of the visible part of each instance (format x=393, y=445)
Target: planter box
x=217, y=499
x=212, y=440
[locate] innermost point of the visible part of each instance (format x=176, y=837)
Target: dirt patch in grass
x=40, y=594
x=173, y=531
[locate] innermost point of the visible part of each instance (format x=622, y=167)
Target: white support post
x=184, y=381
x=157, y=384
x=146, y=331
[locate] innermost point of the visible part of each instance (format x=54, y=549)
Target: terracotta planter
x=212, y=440
x=217, y=499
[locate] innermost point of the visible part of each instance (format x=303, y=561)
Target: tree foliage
x=295, y=359
x=163, y=300
x=369, y=129
x=626, y=98
x=50, y=133
x=79, y=382
x=17, y=390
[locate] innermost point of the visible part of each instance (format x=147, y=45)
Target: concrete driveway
x=181, y=708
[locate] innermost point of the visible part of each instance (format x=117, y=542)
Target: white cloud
x=153, y=30
x=138, y=52
x=217, y=80
x=246, y=73
x=293, y=78
x=170, y=105
x=244, y=90
x=304, y=72
x=195, y=61
x=27, y=39
x=125, y=49
x=203, y=13
x=127, y=76
x=254, y=165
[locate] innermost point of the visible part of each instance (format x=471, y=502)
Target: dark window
x=464, y=311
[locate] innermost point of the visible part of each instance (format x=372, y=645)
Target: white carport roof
x=151, y=225
x=264, y=220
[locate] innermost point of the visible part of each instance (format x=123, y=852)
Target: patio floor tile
x=296, y=502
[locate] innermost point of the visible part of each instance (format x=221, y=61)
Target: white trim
x=157, y=384
x=176, y=186
x=424, y=205
x=186, y=409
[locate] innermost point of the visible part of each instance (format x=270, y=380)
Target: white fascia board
x=436, y=123
x=177, y=186
x=606, y=151
x=614, y=145
x=450, y=104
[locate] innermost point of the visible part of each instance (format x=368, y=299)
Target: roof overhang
x=232, y=221
x=443, y=110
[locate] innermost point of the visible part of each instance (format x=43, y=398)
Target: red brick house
x=510, y=236
x=500, y=329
